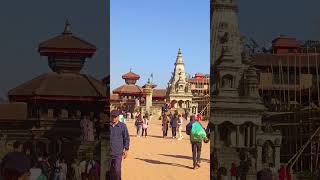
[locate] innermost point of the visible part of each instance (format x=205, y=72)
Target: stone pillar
x=148, y=91
x=233, y=136
x=259, y=158
x=253, y=136
x=277, y=157
x=248, y=135
x=238, y=136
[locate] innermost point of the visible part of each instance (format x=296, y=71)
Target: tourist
x=97, y=125
x=15, y=165
x=196, y=145
x=91, y=170
x=76, y=175
x=63, y=169
x=180, y=122
x=145, y=125
x=83, y=170
x=35, y=171
x=273, y=170
x=90, y=130
x=289, y=172
x=138, y=124
x=173, y=125
x=233, y=171
x=186, y=114
x=56, y=170
x=165, y=122
x=45, y=165
x=122, y=118
x=119, y=140
x=164, y=107
x=98, y=168
x=282, y=173
x=264, y=174
x=84, y=127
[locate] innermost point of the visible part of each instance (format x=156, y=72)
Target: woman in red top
x=233, y=171
x=289, y=172
x=282, y=173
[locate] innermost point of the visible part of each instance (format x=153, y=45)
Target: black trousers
x=196, y=152
x=165, y=132
x=174, y=131
x=144, y=130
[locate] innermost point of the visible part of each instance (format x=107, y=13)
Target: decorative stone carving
x=269, y=153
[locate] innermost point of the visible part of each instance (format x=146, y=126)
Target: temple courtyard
x=156, y=157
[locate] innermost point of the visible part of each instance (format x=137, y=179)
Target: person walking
x=35, y=171
x=233, y=171
x=282, y=173
x=63, y=169
x=138, y=123
x=173, y=125
x=165, y=122
x=196, y=145
x=180, y=122
x=145, y=125
x=76, y=169
x=119, y=145
x=289, y=172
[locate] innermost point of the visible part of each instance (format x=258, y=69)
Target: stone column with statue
x=148, y=91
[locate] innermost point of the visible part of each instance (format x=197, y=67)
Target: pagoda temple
x=55, y=102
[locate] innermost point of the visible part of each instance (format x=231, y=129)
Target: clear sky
x=24, y=24
x=146, y=36
x=265, y=20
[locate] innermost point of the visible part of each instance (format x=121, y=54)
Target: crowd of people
x=22, y=164
x=267, y=173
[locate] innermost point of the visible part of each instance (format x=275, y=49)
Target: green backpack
x=197, y=132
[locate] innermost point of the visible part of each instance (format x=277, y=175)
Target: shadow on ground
x=184, y=157
x=165, y=163
x=156, y=136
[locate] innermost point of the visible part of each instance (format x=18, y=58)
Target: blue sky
x=146, y=36
x=266, y=20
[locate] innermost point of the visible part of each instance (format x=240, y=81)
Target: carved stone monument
x=179, y=91
x=237, y=108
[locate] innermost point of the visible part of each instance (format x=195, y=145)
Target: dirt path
x=155, y=158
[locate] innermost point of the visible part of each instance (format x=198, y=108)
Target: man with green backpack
x=197, y=135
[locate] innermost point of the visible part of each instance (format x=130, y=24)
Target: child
x=145, y=125
x=180, y=121
x=138, y=124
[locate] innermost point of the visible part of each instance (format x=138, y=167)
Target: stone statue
x=268, y=128
x=269, y=154
x=226, y=82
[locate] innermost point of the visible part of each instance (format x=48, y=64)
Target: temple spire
x=67, y=28
x=179, y=57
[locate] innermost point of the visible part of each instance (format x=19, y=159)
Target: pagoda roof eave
x=76, y=51
x=58, y=98
x=128, y=93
